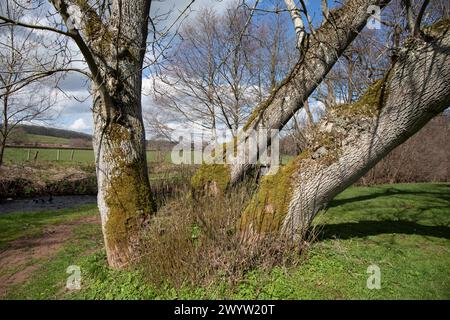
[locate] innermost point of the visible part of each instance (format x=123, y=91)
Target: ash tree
x=118, y=39
x=352, y=137
x=112, y=37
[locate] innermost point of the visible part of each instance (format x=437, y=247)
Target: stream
x=45, y=203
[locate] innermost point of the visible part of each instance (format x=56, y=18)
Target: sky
x=76, y=115
x=73, y=107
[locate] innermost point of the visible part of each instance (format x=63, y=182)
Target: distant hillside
x=39, y=135
x=41, y=139
x=28, y=135
x=54, y=132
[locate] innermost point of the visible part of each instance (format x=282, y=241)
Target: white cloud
x=79, y=125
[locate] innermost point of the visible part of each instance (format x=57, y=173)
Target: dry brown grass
x=197, y=242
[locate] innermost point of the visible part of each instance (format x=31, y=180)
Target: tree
x=22, y=98
x=188, y=87
x=224, y=65
x=111, y=36
x=319, y=51
x=352, y=138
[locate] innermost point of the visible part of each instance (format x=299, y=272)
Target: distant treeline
x=425, y=157
x=54, y=132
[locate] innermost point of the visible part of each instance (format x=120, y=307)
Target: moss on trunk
x=215, y=176
x=267, y=209
x=127, y=194
x=269, y=206
x=130, y=205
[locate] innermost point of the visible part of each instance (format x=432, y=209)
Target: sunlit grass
x=403, y=229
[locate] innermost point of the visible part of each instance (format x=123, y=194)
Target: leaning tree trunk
x=318, y=55
x=351, y=139
x=114, y=49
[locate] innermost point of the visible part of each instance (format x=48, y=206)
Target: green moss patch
x=368, y=104
x=130, y=202
x=269, y=206
x=211, y=173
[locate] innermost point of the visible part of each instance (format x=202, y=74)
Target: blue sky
x=76, y=115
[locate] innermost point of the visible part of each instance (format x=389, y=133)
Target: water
x=44, y=203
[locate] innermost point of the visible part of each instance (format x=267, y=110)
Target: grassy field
x=31, y=224
x=20, y=155
x=37, y=138
x=403, y=229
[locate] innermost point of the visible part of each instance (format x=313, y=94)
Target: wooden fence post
x=58, y=154
x=72, y=154
x=36, y=155
x=28, y=155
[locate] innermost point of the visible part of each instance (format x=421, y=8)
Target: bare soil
x=22, y=256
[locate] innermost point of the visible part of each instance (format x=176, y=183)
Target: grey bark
x=114, y=51
x=4, y=128
x=416, y=89
x=320, y=53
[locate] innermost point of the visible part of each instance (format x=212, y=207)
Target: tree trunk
x=319, y=55
x=124, y=197
x=114, y=50
x=2, y=150
x=352, y=138
x=4, y=128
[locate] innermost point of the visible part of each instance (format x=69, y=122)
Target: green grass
x=20, y=224
x=37, y=138
x=20, y=155
x=48, y=282
x=404, y=229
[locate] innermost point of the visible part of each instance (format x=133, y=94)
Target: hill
x=54, y=132
x=40, y=135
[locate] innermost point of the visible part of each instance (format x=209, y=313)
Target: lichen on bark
x=269, y=206
x=127, y=196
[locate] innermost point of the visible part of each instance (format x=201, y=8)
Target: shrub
x=192, y=244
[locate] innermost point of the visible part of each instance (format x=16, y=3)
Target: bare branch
x=21, y=83
x=409, y=15
x=325, y=10
x=297, y=20
x=420, y=16
x=32, y=26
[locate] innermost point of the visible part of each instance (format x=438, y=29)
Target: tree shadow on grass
x=366, y=228
x=403, y=221
x=443, y=194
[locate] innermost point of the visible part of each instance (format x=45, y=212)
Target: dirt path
x=17, y=259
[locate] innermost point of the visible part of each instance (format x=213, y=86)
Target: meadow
x=403, y=229
x=20, y=155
